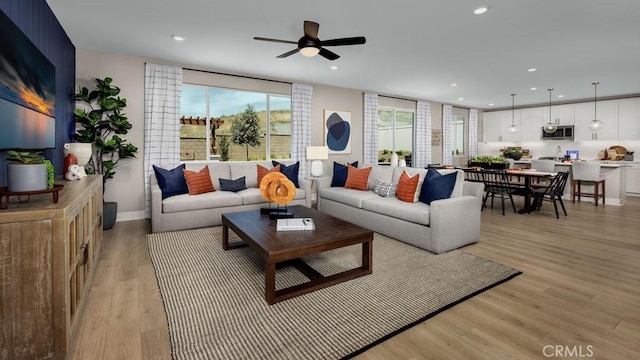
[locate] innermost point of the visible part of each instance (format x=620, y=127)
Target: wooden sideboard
x=49, y=253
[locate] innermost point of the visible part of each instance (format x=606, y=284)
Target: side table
x=314, y=188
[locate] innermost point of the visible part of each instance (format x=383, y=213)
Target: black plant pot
x=109, y=213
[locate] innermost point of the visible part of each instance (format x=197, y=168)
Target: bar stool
x=587, y=173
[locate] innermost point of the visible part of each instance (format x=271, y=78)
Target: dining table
x=529, y=174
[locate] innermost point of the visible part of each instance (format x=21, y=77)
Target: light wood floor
x=579, y=291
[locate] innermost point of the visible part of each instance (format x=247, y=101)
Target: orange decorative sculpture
x=276, y=188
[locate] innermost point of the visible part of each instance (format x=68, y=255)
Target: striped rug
x=214, y=299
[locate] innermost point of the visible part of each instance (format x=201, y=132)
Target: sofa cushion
x=357, y=178
x=340, y=173
x=253, y=196
x=233, y=185
x=208, y=200
x=171, y=182
x=411, y=172
x=459, y=186
x=198, y=182
x=385, y=189
x=262, y=171
x=414, y=212
x=382, y=173
x=437, y=186
x=291, y=171
x=407, y=187
x=217, y=170
x=249, y=170
x=349, y=197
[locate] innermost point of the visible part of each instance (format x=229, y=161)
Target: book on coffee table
x=295, y=224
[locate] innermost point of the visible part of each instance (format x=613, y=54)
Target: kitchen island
x=616, y=180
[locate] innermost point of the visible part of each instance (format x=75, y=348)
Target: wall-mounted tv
x=27, y=92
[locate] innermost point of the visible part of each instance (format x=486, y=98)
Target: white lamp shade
x=317, y=153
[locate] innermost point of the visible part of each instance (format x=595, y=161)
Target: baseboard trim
x=130, y=215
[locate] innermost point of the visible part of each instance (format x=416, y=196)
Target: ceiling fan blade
x=311, y=29
x=328, y=54
x=274, y=40
x=288, y=53
x=358, y=40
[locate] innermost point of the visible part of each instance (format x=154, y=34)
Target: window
x=395, y=134
x=458, y=134
x=234, y=125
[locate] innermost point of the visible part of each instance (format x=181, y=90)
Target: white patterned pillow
x=384, y=189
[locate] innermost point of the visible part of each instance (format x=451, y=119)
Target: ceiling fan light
x=309, y=51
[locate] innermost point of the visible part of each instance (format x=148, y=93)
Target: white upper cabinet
x=533, y=120
x=607, y=112
x=490, y=124
x=565, y=113
x=629, y=119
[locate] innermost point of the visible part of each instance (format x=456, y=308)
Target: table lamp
x=316, y=154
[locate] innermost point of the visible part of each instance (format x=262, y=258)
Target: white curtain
x=162, y=91
x=422, y=153
x=370, y=128
x=301, y=125
x=447, y=134
x=473, y=133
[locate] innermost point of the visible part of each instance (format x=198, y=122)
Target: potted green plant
x=489, y=162
x=512, y=153
x=102, y=121
x=28, y=171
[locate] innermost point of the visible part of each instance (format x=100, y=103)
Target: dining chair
x=552, y=193
x=587, y=173
x=496, y=182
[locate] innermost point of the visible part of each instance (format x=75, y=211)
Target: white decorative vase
x=82, y=152
x=402, y=163
x=316, y=168
x=394, y=160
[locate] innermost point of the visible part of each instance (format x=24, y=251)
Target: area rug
x=214, y=299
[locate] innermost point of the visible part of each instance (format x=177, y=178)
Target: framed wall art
x=337, y=131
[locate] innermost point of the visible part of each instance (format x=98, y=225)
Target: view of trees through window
x=395, y=134
x=233, y=125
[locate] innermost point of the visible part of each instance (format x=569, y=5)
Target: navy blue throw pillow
x=437, y=186
x=291, y=171
x=340, y=174
x=233, y=185
x=172, y=181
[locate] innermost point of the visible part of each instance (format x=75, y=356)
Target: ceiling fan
x=309, y=45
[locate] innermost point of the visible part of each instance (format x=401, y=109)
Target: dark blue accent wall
x=37, y=22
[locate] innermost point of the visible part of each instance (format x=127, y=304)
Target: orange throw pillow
x=357, y=178
x=198, y=182
x=262, y=171
x=407, y=187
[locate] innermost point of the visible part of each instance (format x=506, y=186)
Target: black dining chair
x=496, y=183
x=552, y=193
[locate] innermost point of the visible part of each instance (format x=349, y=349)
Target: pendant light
x=595, y=125
x=513, y=128
x=552, y=125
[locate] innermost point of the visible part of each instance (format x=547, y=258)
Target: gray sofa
x=192, y=211
x=439, y=227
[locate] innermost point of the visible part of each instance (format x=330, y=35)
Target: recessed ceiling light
x=334, y=67
x=460, y=99
x=454, y=84
x=532, y=70
x=481, y=10
x=533, y=88
x=560, y=96
x=491, y=104
x=177, y=37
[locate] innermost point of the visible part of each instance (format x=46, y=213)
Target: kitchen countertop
x=605, y=164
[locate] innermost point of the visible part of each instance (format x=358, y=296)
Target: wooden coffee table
x=287, y=247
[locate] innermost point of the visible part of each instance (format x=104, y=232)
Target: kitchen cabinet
x=50, y=251
x=633, y=179
x=607, y=112
x=532, y=121
x=495, y=126
x=629, y=119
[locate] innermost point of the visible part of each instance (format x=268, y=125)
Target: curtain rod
x=239, y=76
